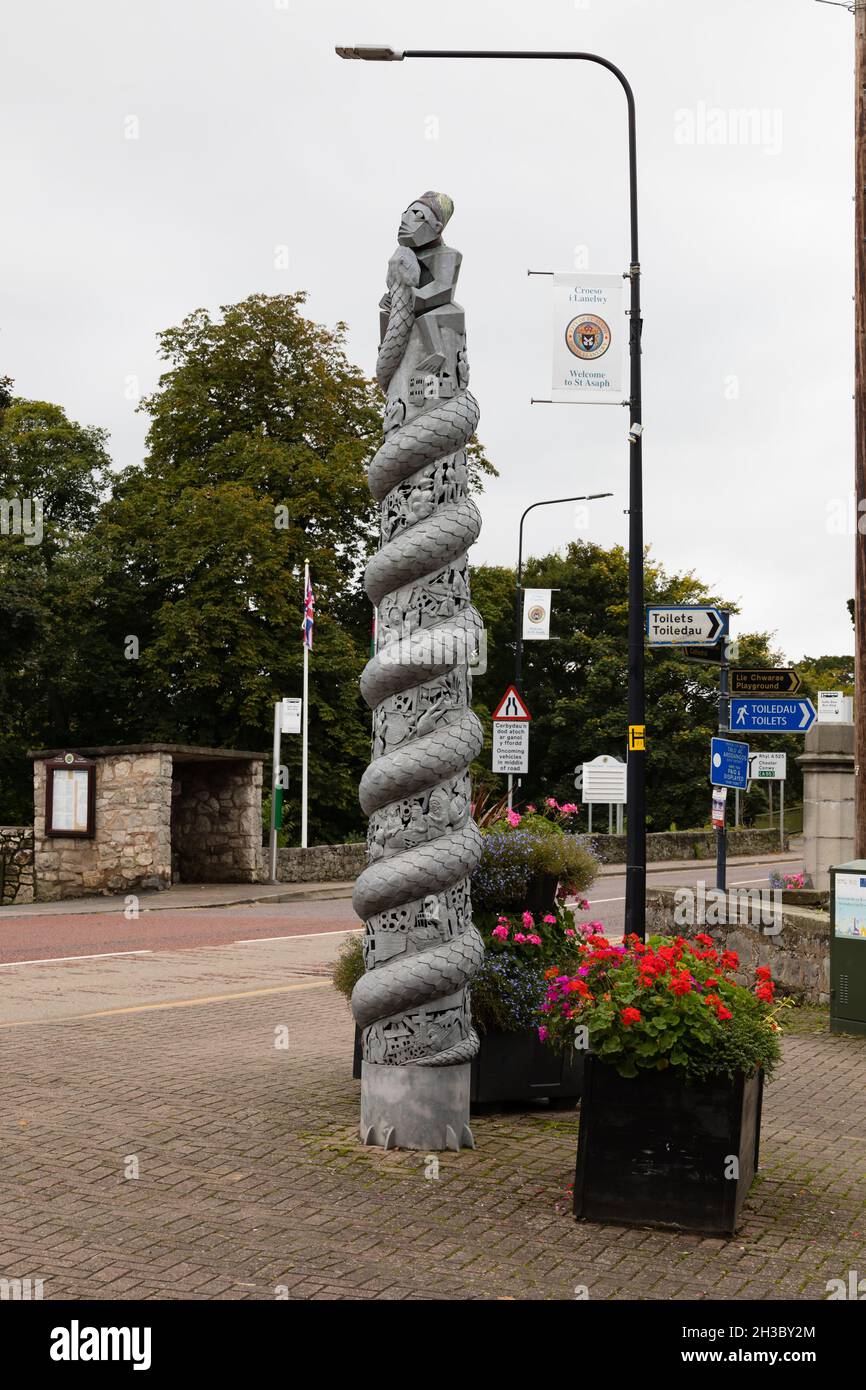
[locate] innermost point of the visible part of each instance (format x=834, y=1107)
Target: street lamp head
x=372, y=53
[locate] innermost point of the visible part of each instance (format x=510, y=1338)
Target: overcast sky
x=249, y=136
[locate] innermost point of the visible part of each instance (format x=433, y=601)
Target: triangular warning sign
x=511, y=706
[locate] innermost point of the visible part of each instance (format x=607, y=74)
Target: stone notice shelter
x=146, y=815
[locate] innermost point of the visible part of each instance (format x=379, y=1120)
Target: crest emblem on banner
x=588, y=337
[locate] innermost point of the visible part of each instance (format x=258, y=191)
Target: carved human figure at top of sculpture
x=424, y=263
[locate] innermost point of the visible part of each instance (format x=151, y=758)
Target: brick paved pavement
x=251, y=1183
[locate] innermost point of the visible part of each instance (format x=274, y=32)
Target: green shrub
x=349, y=965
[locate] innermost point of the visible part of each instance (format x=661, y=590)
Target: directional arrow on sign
x=780, y=681
x=689, y=624
x=767, y=716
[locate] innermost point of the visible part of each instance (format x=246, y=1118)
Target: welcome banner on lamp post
x=590, y=332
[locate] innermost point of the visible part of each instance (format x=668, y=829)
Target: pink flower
x=536, y=940
x=500, y=932
x=550, y=919
x=518, y=936
x=569, y=931
x=528, y=919
x=530, y=810
x=542, y=1034
x=569, y=809
x=513, y=819
x=583, y=904
x=551, y=801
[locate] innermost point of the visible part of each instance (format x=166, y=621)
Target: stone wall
x=131, y=848
x=216, y=823
x=795, y=943
x=687, y=844
x=16, y=864
x=321, y=864
x=340, y=863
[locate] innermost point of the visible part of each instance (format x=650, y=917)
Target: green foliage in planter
x=349, y=965
x=668, y=1002
x=514, y=854
x=505, y=993
x=508, y=989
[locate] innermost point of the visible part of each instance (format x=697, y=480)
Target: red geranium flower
x=763, y=972
x=630, y=1016
x=680, y=984
x=723, y=1013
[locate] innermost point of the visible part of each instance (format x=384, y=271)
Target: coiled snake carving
x=420, y=947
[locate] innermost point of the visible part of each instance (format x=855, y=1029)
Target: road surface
x=107, y=934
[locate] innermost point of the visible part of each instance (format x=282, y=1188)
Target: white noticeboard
x=69, y=799
x=536, y=615
x=290, y=716
x=604, y=779
x=510, y=746
x=831, y=707
x=589, y=336
x=767, y=767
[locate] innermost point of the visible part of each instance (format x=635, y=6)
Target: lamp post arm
x=518, y=626
x=523, y=55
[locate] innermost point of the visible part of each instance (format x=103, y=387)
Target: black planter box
x=653, y=1149
x=514, y=1069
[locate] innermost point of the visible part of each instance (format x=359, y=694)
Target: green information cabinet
x=848, y=947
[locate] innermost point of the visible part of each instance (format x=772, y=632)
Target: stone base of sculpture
x=415, y=1107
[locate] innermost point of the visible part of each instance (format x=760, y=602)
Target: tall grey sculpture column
x=420, y=947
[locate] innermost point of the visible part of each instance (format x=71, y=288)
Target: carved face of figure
x=418, y=226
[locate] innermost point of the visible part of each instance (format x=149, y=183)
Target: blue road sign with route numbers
x=769, y=716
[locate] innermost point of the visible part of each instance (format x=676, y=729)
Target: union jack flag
x=307, y=624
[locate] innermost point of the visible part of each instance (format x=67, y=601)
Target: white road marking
x=54, y=960
x=731, y=884
x=301, y=936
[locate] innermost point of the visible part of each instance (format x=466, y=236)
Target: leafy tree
x=575, y=684
x=172, y=610
x=53, y=474
x=260, y=430
x=826, y=673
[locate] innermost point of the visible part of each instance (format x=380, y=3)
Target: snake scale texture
x=420, y=946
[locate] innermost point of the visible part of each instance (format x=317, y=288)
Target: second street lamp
x=635, y=901
x=518, y=614
x=518, y=623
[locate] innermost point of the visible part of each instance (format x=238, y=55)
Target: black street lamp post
x=518, y=622
x=635, y=902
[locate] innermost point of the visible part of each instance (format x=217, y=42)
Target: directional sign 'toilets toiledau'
x=692, y=624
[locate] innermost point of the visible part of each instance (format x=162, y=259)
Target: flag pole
x=305, y=708
x=275, y=772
